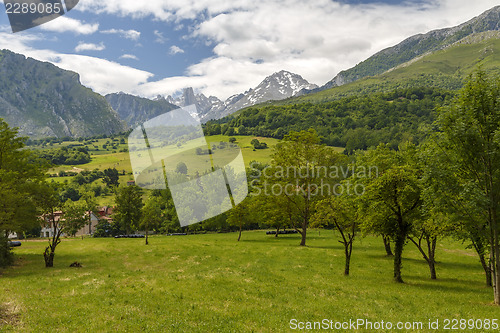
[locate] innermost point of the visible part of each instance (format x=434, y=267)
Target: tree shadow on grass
x=442, y=285
x=328, y=247
x=30, y=264
x=273, y=241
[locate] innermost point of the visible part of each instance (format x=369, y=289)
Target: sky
x=224, y=47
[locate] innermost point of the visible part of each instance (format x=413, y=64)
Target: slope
x=46, y=101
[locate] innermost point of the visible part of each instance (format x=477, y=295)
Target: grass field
x=211, y=283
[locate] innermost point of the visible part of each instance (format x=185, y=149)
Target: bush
x=106, y=229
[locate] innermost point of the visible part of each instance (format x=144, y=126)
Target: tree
x=240, y=216
x=21, y=175
x=170, y=221
x=49, y=202
x=300, y=172
x=6, y=256
x=274, y=211
x=343, y=213
x=89, y=203
x=152, y=215
x=446, y=197
x=382, y=158
x=396, y=196
x=470, y=134
x=232, y=139
x=429, y=230
x=74, y=217
x=181, y=168
x=111, y=177
x=129, y=205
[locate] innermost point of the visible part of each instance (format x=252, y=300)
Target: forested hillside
x=351, y=122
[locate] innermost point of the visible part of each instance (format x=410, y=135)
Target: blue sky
x=221, y=47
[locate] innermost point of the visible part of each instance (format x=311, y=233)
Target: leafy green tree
x=299, y=170
x=70, y=193
x=170, y=222
x=471, y=140
x=382, y=158
x=232, y=139
x=6, y=256
x=274, y=211
x=343, y=213
x=111, y=177
x=129, y=205
x=74, y=217
x=428, y=229
x=446, y=196
x=152, y=215
x=396, y=195
x=89, y=203
x=21, y=176
x=241, y=216
x=49, y=202
x=181, y=168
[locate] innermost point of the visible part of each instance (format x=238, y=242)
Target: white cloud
x=101, y=75
x=174, y=49
x=129, y=34
x=254, y=38
x=66, y=24
x=89, y=47
x=129, y=56
x=160, y=39
x=315, y=38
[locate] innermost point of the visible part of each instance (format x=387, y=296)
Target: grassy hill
x=211, y=283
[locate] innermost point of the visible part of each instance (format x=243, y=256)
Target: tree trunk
x=486, y=266
x=398, y=254
x=496, y=260
x=239, y=236
x=430, y=256
x=347, y=263
x=387, y=246
x=303, y=234
x=277, y=230
x=147, y=243
x=487, y=270
x=431, y=246
x=348, y=253
x=48, y=255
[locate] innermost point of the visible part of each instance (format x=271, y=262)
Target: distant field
x=211, y=283
x=103, y=159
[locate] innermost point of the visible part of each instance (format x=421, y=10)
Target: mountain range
x=278, y=86
x=136, y=110
x=44, y=100
x=413, y=48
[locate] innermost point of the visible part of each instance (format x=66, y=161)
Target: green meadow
x=212, y=283
x=112, y=158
